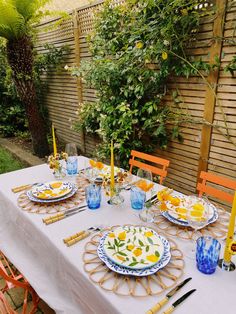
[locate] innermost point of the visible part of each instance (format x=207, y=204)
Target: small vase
x=116, y=199
x=60, y=172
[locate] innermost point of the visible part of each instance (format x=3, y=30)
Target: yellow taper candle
x=54, y=141
x=230, y=235
x=112, y=186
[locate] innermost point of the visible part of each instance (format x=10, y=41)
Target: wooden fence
x=204, y=147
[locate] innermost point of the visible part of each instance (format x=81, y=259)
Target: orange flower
x=99, y=165
x=137, y=252
x=143, y=185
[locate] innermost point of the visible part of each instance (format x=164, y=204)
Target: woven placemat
x=217, y=229
x=41, y=208
x=124, y=285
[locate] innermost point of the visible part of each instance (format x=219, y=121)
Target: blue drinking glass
x=137, y=198
x=207, y=254
x=93, y=196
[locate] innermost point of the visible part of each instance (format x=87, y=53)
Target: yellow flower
x=163, y=195
x=164, y=55
x=130, y=247
x=139, y=45
x=137, y=252
x=122, y=236
x=148, y=234
x=152, y=258
x=111, y=235
x=121, y=258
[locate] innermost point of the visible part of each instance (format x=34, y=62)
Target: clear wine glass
x=72, y=161
x=146, y=215
x=198, y=212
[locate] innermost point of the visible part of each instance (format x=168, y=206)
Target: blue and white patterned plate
x=135, y=272
x=62, y=198
x=213, y=217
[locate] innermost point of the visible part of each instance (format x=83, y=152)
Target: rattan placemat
x=41, y=208
x=217, y=229
x=126, y=285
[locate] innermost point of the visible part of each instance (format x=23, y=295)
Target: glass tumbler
x=207, y=254
x=137, y=198
x=72, y=161
x=93, y=196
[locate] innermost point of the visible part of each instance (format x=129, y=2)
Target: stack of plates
x=136, y=251
x=53, y=191
x=177, y=213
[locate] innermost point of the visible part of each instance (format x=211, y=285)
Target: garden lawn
x=8, y=162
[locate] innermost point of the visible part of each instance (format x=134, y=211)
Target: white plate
x=135, y=272
x=51, y=190
x=133, y=247
x=45, y=201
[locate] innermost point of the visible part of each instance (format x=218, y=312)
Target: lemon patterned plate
x=177, y=213
x=120, y=269
x=51, y=190
x=134, y=247
x=64, y=194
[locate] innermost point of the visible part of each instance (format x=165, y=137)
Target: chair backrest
x=162, y=163
x=5, y=307
x=202, y=187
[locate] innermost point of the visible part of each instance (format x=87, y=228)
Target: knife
x=157, y=306
x=62, y=215
x=180, y=300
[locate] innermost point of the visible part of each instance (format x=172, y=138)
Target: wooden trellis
x=204, y=148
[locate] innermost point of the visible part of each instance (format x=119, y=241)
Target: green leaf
x=140, y=243
x=122, y=253
x=133, y=264
x=157, y=253
x=147, y=248
x=150, y=240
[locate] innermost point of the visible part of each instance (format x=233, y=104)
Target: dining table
x=56, y=271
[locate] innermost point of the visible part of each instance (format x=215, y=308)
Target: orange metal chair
x=14, y=279
x=202, y=186
x=5, y=307
x=160, y=170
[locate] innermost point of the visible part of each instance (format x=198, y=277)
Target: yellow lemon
x=198, y=207
x=111, y=235
x=181, y=210
x=130, y=247
x=163, y=207
x=175, y=201
x=121, y=258
x=92, y=163
x=148, y=234
x=164, y=55
x=56, y=185
x=152, y=258
x=122, y=236
x=137, y=252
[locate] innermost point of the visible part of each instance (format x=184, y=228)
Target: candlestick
x=112, y=186
x=226, y=263
x=54, y=141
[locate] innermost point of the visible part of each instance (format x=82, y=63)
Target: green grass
x=8, y=162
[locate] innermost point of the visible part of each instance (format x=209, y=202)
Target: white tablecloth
x=56, y=271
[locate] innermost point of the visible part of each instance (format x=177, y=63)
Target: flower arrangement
x=56, y=164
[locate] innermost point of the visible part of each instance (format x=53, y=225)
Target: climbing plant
x=134, y=51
